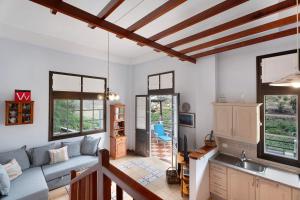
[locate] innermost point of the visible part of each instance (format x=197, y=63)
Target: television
x=185, y=149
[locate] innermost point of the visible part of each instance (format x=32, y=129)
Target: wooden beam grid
x=107, y=10
x=84, y=16
x=161, y=10
x=236, y=22
x=217, y=9
x=257, y=40
x=258, y=29
x=100, y=22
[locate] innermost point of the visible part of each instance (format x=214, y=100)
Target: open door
x=142, y=136
x=175, y=135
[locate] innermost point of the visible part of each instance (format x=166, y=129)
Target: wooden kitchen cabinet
x=241, y=186
x=296, y=194
x=218, y=180
x=223, y=120
x=237, y=121
x=246, y=123
x=271, y=190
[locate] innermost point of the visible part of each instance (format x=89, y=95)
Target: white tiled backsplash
x=235, y=148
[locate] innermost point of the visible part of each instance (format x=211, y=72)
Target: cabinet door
x=223, y=120
x=245, y=123
x=241, y=186
x=272, y=190
x=296, y=194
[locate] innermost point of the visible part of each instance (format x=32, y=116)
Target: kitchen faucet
x=243, y=156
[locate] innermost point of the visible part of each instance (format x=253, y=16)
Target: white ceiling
x=26, y=21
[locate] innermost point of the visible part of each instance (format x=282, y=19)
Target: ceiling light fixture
x=109, y=95
x=292, y=80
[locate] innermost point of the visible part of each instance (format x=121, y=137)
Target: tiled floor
x=160, y=149
x=150, y=172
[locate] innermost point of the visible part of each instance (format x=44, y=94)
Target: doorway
x=161, y=127
x=157, y=126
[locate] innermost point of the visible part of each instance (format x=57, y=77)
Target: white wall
x=25, y=66
x=196, y=85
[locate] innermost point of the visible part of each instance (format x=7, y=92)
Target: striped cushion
x=58, y=155
x=13, y=169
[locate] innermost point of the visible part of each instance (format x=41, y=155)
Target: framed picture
x=187, y=119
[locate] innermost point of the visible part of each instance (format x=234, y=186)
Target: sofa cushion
x=73, y=148
x=89, y=145
x=13, y=169
x=58, y=155
x=31, y=185
x=4, y=181
x=64, y=168
x=40, y=155
x=19, y=154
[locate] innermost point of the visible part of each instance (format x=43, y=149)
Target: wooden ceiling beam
x=163, y=9
x=236, y=22
x=107, y=10
x=52, y=11
x=86, y=17
x=257, y=40
x=217, y=9
x=258, y=29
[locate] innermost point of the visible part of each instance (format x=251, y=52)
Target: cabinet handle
x=257, y=183
x=253, y=182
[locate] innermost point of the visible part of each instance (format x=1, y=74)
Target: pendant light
x=292, y=80
x=109, y=95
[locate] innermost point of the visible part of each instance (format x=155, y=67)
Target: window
x=280, y=111
x=75, y=107
x=280, y=127
x=161, y=83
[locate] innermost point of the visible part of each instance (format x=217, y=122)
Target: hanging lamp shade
x=292, y=80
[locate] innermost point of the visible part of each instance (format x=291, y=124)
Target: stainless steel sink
x=252, y=166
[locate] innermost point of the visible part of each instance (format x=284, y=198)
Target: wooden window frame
x=266, y=89
x=162, y=91
x=73, y=95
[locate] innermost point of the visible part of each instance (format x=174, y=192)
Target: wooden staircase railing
x=95, y=183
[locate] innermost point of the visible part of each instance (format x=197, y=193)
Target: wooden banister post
x=74, y=187
x=104, y=182
x=119, y=193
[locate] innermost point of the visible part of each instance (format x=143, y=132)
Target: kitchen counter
x=199, y=153
x=272, y=174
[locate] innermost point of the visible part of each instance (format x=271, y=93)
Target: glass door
x=142, y=136
x=175, y=135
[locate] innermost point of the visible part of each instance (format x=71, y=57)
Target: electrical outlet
x=224, y=145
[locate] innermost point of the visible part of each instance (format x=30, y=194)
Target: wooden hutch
x=118, y=139
x=17, y=113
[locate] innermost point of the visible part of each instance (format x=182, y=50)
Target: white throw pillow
x=13, y=169
x=58, y=155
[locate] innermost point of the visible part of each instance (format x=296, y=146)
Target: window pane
x=153, y=82
x=93, y=85
x=66, y=118
x=66, y=83
x=92, y=115
x=166, y=81
x=281, y=125
x=141, y=112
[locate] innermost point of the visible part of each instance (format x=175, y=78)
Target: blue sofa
x=35, y=182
